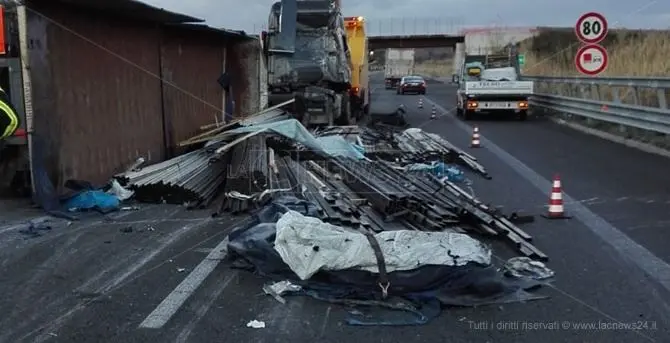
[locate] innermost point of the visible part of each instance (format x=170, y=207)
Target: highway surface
x=162, y=280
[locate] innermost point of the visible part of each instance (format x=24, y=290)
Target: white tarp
x=339, y=249
x=497, y=74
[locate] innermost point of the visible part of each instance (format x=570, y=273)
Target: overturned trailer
x=308, y=60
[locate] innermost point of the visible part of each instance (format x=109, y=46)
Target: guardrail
x=629, y=101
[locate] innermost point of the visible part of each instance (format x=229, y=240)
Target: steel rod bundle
x=247, y=174
x=187, y=179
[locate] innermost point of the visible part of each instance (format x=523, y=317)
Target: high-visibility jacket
x=9, y=120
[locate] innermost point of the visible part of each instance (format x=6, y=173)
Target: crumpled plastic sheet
x=251, y=247
x=525, y=267
x=339, y=146
x=295, y=131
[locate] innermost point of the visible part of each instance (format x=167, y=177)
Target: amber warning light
x=354, y=21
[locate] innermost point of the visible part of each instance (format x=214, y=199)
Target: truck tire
x=459, y=112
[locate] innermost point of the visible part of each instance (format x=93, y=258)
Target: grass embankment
x=631, y=53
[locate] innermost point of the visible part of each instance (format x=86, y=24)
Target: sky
x=437, y=16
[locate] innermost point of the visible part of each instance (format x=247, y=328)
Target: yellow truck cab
x=357, y=41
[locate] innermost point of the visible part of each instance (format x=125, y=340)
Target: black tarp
x=252, y=247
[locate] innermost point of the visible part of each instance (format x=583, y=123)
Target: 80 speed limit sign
x=591, y=28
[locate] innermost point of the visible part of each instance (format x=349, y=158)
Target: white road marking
x=202, y=310
x=110, y=285
x=171, y=304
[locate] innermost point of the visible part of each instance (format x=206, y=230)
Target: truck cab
x=308, y=61
x=490, y=84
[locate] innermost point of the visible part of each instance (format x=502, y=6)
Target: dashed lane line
x=171, y=304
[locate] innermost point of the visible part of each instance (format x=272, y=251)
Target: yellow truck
x=357, y=42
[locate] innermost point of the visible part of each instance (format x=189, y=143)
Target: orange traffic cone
x=475, y=138
x=556, y=209
x=420, y=102
x=433, y=113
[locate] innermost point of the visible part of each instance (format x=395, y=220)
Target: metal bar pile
x=418, y=201
x=336, y=202
x=247, y=174
x=187, y=179
x=421, y=146
x=415, y=146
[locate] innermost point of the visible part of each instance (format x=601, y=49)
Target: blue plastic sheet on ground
x=251, y=247
x=439, y=169
x=92, y=200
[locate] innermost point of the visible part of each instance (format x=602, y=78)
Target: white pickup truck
x=496, y=90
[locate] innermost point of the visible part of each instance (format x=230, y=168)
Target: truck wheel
x=459, y=112
x=522, y=116
x=366, y=109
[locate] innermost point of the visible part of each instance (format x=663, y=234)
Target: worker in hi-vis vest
x=9, y=119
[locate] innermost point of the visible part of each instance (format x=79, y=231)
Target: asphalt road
x=93, y=282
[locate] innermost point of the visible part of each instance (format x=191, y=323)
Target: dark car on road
x=412, y=84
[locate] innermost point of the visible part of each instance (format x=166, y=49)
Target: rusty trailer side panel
x=243, y=62
x=108, y=89
x=106, y=109
x=192, y=97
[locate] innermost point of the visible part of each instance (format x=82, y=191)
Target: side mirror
x=454, y=78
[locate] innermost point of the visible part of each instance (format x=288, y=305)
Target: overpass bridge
x=413, y=41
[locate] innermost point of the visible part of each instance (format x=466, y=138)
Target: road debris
x=524, y=267
x=256, y=324
x=341, y=265
x=361, y=216
x=277, y=289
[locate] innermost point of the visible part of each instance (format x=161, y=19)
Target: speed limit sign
x=591, y=28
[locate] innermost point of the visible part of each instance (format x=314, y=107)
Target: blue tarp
x=92, y=200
